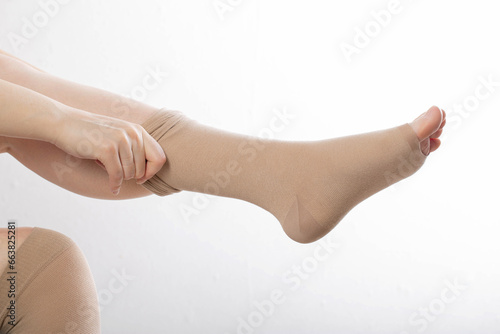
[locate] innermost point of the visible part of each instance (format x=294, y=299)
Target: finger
x=139, y=158
x=115, y=171
x=155, y=157
x=127, y=160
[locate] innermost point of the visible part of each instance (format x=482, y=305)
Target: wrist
x=63, y=122
x=73, y=124
x=49, y=123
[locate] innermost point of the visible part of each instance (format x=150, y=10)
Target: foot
x=308, y=186
x=370, y=163
x=428, y=128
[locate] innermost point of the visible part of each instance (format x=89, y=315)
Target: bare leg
x=83, y=177
x=308, y=186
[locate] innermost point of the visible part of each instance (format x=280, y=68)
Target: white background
x=395, y=252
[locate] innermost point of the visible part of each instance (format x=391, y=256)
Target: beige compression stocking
x=53, y=289
x=308, y=186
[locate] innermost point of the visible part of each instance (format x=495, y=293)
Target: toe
x=437, y=133
x=434, y=144
x=428, y=123
x=425, y=146
x=443, y=123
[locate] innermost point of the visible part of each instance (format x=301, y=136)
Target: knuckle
x=117, y=175
x=128, y=160
x=124, y=136
x=134, y=132
x=121, y=134
x=109, y=148
x=162, y=157
x=128, y=164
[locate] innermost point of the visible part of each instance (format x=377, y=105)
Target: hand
x=125, y=150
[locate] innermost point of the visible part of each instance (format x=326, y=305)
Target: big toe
x=427, y=123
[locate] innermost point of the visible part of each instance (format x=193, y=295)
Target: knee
x=55, y=237
x=58, y=263
x=61, y=278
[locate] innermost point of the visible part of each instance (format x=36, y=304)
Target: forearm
x=94, y=125
x=80, y=176
x=2, y=52
x=27, y=114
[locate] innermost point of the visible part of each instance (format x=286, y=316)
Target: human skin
x=124, y=149
x=84, y=176
x=346, y=170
